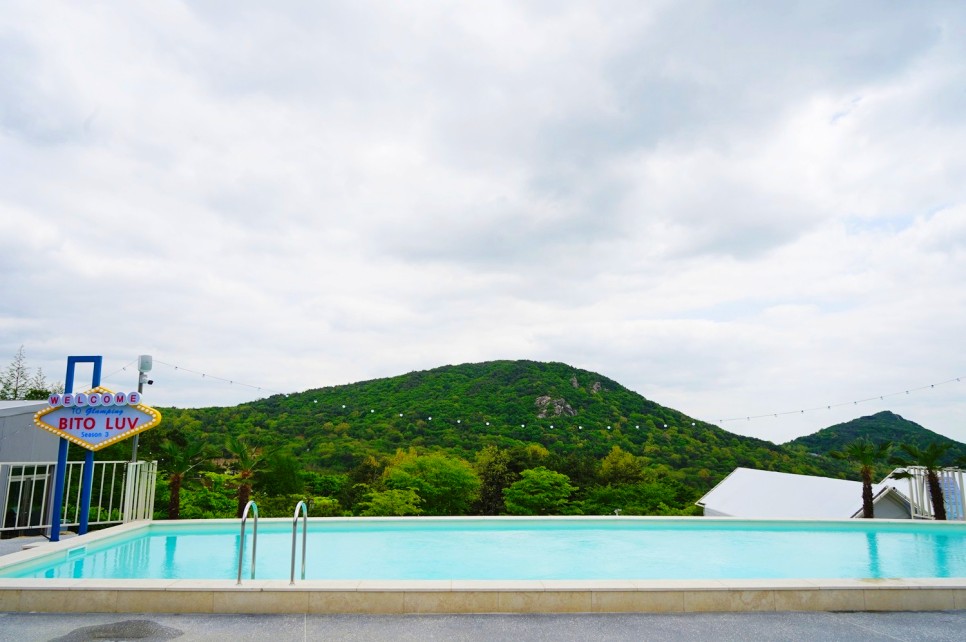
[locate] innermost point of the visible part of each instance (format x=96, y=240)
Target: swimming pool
x=522, y=549
x=472, y=565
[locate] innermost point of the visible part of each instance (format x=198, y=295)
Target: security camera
x=150, y=382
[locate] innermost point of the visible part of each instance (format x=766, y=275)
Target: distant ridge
x=618, y=449
x=578, y=416
x=880, y=427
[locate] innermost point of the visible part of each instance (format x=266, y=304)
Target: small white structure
x=765, y=494
x=19, y=439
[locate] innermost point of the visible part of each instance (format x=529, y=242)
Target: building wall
x=20, y=440
x=889, y=508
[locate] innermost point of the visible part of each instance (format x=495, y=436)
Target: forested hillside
x=878, y=428
x=506, y=436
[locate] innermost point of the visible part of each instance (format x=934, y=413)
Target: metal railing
x=241, y=543
x=920, y=499
x=122, y=492
x=140, y=479
x=305, y=530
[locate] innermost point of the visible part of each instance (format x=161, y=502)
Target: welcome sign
x=97, y=418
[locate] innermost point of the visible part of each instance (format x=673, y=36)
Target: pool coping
x=461, y=596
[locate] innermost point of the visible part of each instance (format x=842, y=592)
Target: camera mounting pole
x=144, y=367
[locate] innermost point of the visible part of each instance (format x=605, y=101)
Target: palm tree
x=929, y=458
x=864, y=453
x=248, y=459
x=178, y=460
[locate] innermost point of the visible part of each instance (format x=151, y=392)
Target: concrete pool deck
x=945, y=626
x=398, y=597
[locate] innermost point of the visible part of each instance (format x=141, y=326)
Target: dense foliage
x=488, y=438
x=880, y=428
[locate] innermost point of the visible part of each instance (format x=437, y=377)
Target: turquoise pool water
x=610, y=548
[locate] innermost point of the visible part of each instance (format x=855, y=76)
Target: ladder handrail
x=305, y=528
x=241, y=544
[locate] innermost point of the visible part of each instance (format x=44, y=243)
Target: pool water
x=521, y=549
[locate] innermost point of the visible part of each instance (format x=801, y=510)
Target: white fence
x=951, y=482
x=122, y=491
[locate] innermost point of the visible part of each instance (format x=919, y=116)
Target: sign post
x=61, y=470
x=93, y=420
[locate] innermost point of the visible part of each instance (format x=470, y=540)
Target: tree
x=15, y=382
x=864, y=454
x=447, y=485
x=395, y=502
x=538, y=492
x=177, y=461
x=493, y=467
x=213, y=497
x=663, y=497
x=248, y=459
x=929, y=458
x=279, y=476
x=620, y=467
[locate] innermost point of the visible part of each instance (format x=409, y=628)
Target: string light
x=205, y=375
x=121, y=369
x=231, y=382
x=854, y=402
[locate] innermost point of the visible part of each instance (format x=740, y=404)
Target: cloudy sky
x=735, y=209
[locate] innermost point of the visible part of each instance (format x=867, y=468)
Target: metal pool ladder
x=305, y=528
x=241, y=545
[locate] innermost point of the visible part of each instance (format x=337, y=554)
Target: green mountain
x=617, y=448
x=880, y=427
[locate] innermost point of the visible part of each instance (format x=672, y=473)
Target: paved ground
x=16, y=544
x=743, y=627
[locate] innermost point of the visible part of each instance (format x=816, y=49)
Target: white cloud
x=735, y=211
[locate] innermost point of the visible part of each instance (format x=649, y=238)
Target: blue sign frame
x=87, y=478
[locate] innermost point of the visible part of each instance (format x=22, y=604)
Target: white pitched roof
x=9, y=408
x=766, y=494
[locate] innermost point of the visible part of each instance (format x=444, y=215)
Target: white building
x=20, y=440
x=764, y=494
x=24, y=471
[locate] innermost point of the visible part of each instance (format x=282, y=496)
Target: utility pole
x=144, y=367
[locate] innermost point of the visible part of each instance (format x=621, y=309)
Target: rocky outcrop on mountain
x=549, y=407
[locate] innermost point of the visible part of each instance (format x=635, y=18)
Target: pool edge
x=442, y=596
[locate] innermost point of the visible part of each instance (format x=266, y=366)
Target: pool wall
x=461, y=596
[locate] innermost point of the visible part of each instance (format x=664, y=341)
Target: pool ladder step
x=253, y=508
x=305, y=530
x=251, y=505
